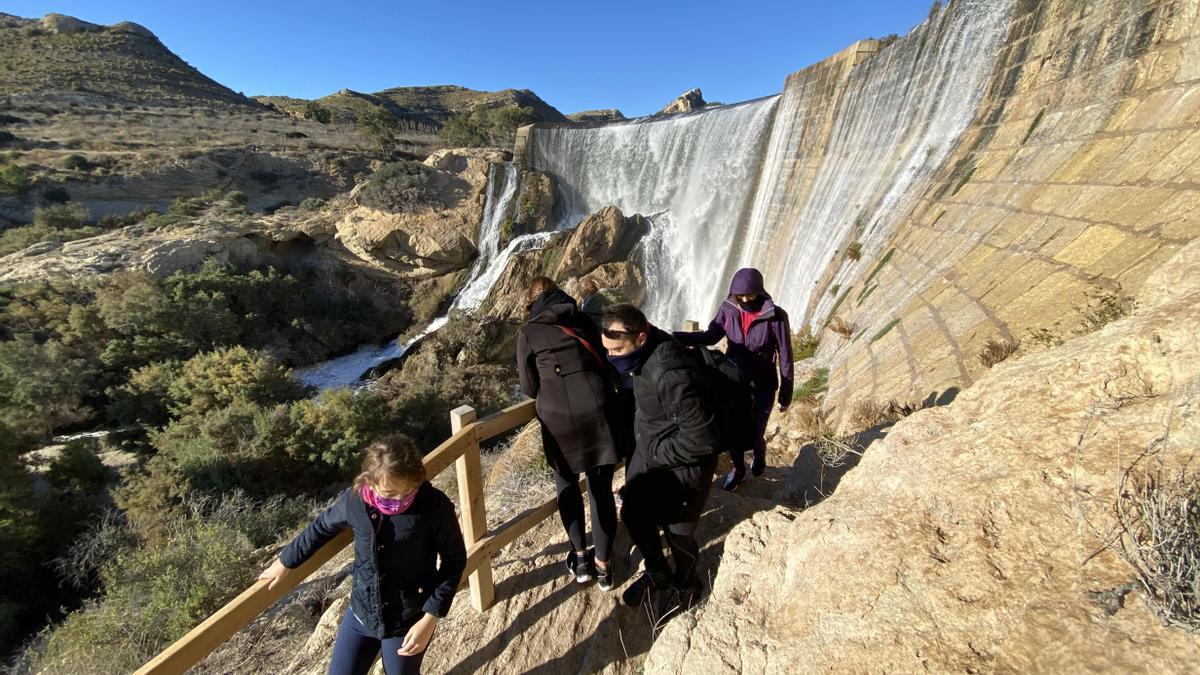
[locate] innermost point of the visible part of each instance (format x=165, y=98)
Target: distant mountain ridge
x=424, y=105
x=60, y=55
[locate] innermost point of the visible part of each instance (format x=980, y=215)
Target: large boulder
x=604, y=236
x=429, y=236
x=972, y=537
x=687, y=102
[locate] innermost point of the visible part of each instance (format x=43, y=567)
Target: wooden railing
x=462, y=450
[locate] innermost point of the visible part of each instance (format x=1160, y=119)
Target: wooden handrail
x=462, y=448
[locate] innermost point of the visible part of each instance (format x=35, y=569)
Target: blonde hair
x=396, y=457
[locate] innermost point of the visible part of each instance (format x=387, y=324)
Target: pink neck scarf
x=388, y=507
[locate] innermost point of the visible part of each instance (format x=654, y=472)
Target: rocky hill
x=609, y=115
x=123, y=63
x=420, y=107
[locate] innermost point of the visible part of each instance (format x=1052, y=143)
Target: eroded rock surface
x=964, y=540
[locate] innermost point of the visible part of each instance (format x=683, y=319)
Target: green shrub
x=804, y=344
x=378, y=125
x=312, y=204
x=400, y=185
x=75, y=162
x=487, y=126
x=61, y=216
x=13, y=179
x=815, y=385
x=316, y=112
x=77, y=471
x=216, y=379
x=6, y=137
x=42, y=386
x=153, y=595
x=337, y=426
x=20, y=238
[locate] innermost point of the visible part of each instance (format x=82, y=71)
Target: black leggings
x=604, y=509
x=685, y=550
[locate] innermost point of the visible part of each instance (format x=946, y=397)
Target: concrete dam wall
x=991, y=175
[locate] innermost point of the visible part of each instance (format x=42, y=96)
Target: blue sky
x=575, y=55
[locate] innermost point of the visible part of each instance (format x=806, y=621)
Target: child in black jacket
x=401, y=525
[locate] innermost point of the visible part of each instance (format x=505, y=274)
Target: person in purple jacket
x=760, y=342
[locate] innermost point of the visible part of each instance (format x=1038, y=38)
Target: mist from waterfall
x=691, y=175
x=902, y=113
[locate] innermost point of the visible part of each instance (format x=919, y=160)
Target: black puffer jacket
x=395, y=578
x=676, y=429
x=570, y=382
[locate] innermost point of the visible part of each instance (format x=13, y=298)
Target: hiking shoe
x=580, y=570
x=758, y=465
x=638, y=590
x=732, y=480
x=604, y=578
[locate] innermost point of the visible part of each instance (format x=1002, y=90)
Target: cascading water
x=692, y=176
x=504, y=180
x=902, y=113
x=501, y=188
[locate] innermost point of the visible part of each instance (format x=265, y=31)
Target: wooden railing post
x=691, y=326
x=474, y=516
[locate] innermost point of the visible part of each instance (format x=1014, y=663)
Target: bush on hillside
x=400, y=185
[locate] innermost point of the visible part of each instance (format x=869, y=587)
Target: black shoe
x=639, y=589
x=604, y=578
x=581, y=570
x=758, y=465
x=732, y=480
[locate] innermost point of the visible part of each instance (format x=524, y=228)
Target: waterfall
x=902, y=113
x=484, y=271
x=691, y=175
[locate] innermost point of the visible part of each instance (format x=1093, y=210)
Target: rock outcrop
x=688, y=101
x=971, y=538
x=599, y=246
x=534, y=210
x=424, y=241
x=597, y=116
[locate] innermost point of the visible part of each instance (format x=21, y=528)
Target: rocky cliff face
x=971, y=537
x=599, y=247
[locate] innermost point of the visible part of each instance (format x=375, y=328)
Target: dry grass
x=1158, y=516
x=868, y=413
x=994, y=351
x=842, y=327
x=854, y=251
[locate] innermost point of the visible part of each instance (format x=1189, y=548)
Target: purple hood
x=748, y=281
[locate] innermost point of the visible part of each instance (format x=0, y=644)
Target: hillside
x=427, y=107
x=125, y=63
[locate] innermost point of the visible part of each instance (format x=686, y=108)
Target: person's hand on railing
x=418, y=637
x=274, y=574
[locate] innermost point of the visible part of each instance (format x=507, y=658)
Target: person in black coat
x=560, y=362
x=669, y=475
x=401, y=524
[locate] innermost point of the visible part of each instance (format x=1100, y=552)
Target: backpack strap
x=585, y=343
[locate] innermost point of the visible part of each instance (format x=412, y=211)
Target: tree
x=318, y=113
x=379, y=125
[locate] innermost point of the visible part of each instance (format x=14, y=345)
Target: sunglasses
x=616, y=334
